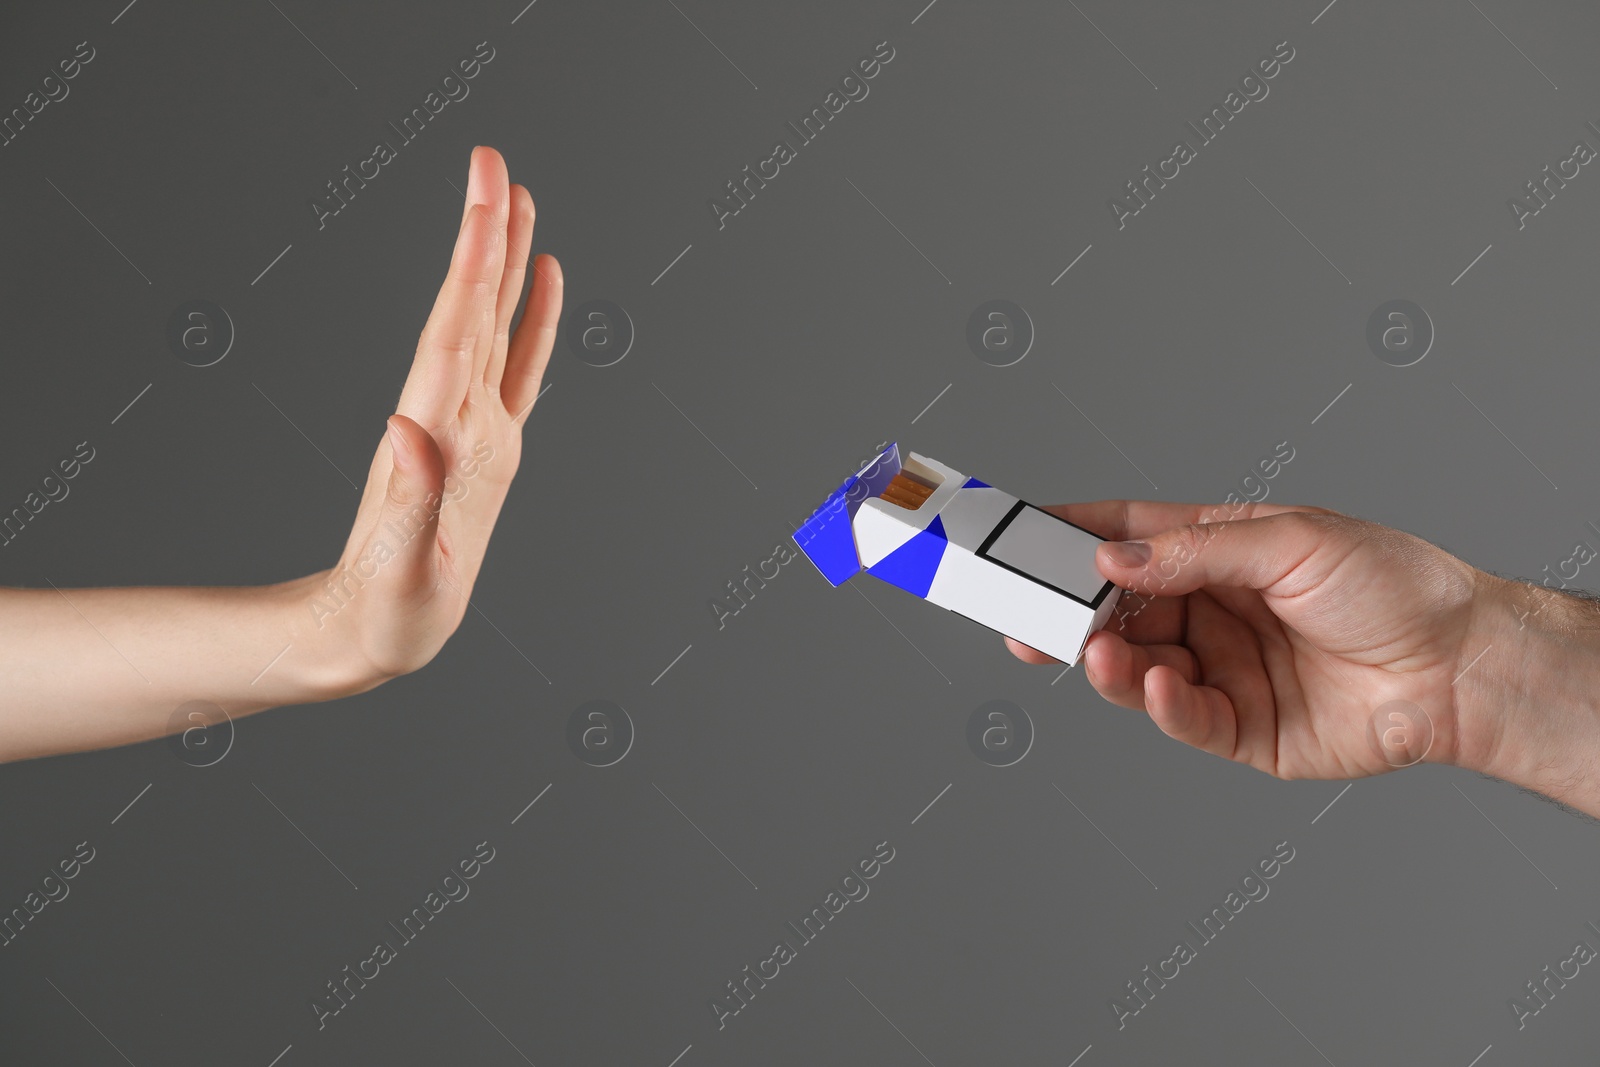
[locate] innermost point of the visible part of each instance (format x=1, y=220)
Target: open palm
x=442, y=471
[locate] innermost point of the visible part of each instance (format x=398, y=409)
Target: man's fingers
x=456, y=340
x=1148, y=620
x=1121, y=520
x=1197, y=715
x=1282, y=555
x=519, y=241
x=1231, y=659
x=1116, y=668
x=536, y=335
x=1027, y=653
x=1140, y=620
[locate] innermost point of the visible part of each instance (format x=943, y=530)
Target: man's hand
x=1276, y=637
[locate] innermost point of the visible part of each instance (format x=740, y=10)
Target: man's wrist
x=1527, y=701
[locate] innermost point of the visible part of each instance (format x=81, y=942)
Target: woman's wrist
x=1527, y=700
x=322, y=658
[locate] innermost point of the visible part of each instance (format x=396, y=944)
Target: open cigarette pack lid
x=966, y=546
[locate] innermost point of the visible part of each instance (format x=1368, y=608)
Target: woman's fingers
x=530, y=346
x=519, y=243
x=459, y=334
x=489, y=194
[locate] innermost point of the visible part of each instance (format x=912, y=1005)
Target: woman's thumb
x=408, y=525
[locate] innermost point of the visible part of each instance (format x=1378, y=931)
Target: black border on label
x=1000, y=528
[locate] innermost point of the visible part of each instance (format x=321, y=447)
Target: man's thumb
x=1277, y=554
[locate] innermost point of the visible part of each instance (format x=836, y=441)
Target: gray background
x=817, y=722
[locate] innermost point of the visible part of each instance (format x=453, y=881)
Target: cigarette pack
x=966, y=546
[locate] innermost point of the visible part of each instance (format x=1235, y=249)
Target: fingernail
x=397, y=441
x=1128, y=553
x=477, y=184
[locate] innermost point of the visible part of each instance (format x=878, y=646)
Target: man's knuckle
x=1321, y=523
x=1192, y=537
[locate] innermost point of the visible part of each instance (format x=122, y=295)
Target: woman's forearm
x=90, y=668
